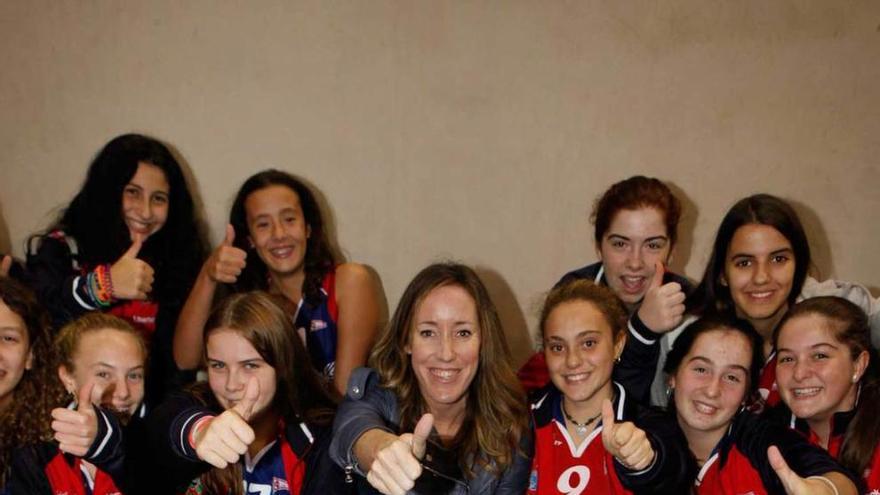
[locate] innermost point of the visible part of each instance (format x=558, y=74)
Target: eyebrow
x=772, y=253
x=578, y=336
x=108, y=365
x=647, y=239
x=814, y=346
x=16, y=328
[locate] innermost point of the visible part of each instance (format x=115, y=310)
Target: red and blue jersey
x=275, y=470
x=316, y=323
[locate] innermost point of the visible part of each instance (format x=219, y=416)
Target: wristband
x=196, y=427
x=827, y=481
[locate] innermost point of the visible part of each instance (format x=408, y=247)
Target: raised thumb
x=135, y=247
x=87, y=395
x=788, y=477
x=659, y=271
x=245, y=407
x=420, y=435
x=607, y=418
x=230, y=235
x=5, y=265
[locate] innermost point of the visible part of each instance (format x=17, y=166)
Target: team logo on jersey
x=279, y=484
x=533, y=480
x=318, y=325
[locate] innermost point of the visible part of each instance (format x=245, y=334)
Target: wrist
x=196, y=430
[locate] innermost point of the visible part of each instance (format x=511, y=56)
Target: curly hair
x=27, y=419
x=497, y=417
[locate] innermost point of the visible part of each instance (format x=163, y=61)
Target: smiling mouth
x=444, y=375
x=806, y=392
x=281, y=252
x=633, y=284
x=139, y=226
x=576, y=377
x=761, y=296
x=703, y=408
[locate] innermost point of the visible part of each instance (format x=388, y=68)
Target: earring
x=617, y=359
x=855, y=378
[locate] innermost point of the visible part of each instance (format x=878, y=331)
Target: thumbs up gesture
x=396, y=466
x=76, y=429
x=5, y=265
x=220, y=441
x=795, y=485
x=132, y=278
x=626, y=442
x=662, y=308
x=227, y=261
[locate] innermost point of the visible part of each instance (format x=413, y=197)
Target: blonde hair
x=68, y=339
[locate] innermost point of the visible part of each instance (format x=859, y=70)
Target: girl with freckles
x=590, y=438
x=102, y=360
x=712, y=371
x=829, y=381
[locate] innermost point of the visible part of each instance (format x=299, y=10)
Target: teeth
x=704, y=408
x=760, y=295
x=577, y=378
x=806, y=392
x=281, y=252
x=444, y=374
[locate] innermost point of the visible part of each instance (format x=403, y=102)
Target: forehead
x=10, y=319
x=723, y=348
x=271, y=199
x=445, y=303
x=569, y=319
x=107, y=345
x=757, y=239
x=227, y=344
x=637, y=223
x=805, y=331
x=149, y=176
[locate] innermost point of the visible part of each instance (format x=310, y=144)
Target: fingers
x=377, y=479
x=5, y=266
x=793, y=483
x=89, y=394
x=420, y=435
x=135, y=248
x=230, y=235
x=659, y=271
x=75, y=431
x=224, y=440
x=396, y=467
x=245, y=407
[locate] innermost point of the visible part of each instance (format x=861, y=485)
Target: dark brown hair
x=634, y=193
x=601, y=297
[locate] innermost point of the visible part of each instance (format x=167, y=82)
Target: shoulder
x=588, y=272
x=363, y=381
x=352, y=275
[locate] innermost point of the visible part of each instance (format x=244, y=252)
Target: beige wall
x=475, y=130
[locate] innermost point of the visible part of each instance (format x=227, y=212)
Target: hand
x=396, y=466
x=227, y=261
x=627, y=443
x=222, y=440
x=662, y=309
x=794, y=484
x=75, y=430
x=5, y=266
x=132, y=278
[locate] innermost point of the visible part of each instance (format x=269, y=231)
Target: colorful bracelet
x=102, y=287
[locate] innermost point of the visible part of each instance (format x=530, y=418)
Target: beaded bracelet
x=89, y=283
x=827, y=481
x=102, y=289
x=107, y=281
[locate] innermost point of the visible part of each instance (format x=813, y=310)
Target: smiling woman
x=442, y=412
x=127, y=244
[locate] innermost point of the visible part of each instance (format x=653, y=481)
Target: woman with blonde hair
x=441, y=411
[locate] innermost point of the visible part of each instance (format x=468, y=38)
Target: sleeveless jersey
x=317, y=325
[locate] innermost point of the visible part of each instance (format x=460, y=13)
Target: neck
x=448, y=418
x=765, y=327
x=290, y=285
x=583, y=410
x=265, y=431
x=702, y=443
x=821, y=426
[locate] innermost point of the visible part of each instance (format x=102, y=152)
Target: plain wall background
x=480, y=131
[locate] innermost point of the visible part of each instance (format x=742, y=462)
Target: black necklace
x=581, y=428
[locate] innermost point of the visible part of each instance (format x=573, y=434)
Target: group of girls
x=759, y=392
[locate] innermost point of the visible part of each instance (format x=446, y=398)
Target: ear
x=308, y=231
x=670, y=382
x=722, y=279
x=599, y=251
x=250, y=242
x=860, y=364
x=67, y=379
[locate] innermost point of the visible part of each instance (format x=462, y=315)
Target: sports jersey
x=839, y=423
x=739, y=463
x=275, y=470
x=561, y=465
x=317, y=324
x=533, y=375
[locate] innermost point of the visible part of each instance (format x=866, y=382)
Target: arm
x=223, y=266
x=57, y=285
x=638, y=361
x=673, y=468
x=358, y=302
x=26, y=475
x=515, y=479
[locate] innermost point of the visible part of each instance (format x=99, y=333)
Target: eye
x=160, y=199
x=261, y=225
x=733, y=378
x=105, y=375
x=289, y=219
x=216, y=365
x=251, y=365
x=820, y=356
x=135, y=376
x=618, y=244
x=555, y=348
x=464, y=333
x=589, y=344
x=779, y=258
x=131, y=191
x=10, y=339
x=426, y=333
x=785, y=359
x=742, y=263
x=656, y=246
x=700, y=370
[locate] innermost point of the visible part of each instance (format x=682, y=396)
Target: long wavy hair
x=497, y=417
x=300, y=395
x=319, y=258
x=94, y=216
x=27, y=420
x=850, y=327
x=762, y=209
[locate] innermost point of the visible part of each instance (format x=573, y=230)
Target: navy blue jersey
x=317, y=324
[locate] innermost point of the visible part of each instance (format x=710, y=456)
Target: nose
x=573, y=358
x=713, y=388
x=801, y=370
x=121, y=390
x=634, y=260
x=233, y=382
x=277, y=230
x=144, y=208
x=760, y=275
x=447, y=349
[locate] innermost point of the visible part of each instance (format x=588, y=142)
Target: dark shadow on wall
x=5, y=242
x=822, y=265
x=512, y=318
x=686, y=225
x=382, y=299
x=196, y=192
